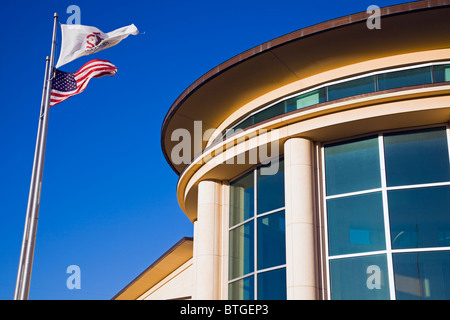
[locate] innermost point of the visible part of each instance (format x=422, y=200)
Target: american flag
x=67, y=84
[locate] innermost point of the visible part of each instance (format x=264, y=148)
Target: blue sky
x=108, y=202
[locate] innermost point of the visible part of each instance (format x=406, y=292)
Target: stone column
x=300, y=240
x=207, y=242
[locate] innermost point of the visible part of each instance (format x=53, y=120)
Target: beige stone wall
x=177, y=285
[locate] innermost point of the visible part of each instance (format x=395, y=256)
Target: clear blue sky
x=108, y=200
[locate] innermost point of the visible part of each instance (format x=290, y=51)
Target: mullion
x=387, y=228
x=255, y=235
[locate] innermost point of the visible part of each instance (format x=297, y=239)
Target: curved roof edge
x=282, y=40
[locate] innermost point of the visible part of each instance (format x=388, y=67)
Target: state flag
x=79, y=41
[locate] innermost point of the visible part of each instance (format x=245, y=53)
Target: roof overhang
x=180, y=253
x=411, y=27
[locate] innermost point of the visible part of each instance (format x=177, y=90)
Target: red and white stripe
x=93, y=69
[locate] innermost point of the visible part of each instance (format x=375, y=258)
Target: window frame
x=388, y=251
x=254, y=219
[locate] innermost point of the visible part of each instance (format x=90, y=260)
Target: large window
x=257, y=245
x=388, y=215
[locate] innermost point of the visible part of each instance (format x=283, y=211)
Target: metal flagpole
x=30, y=196
x=29, y=237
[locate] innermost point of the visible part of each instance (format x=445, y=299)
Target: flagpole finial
x=55, y=15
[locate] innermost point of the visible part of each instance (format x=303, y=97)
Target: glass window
x=422, y=275
x=416, y=157
x=271, y=240
x=305, y=100
x=415, y=200
x=351, y=88
x=272, y=285
x=241, y=253
x=356, y=224
x=243, y=289
x=242, y=125
x=360, y=278
x=257, y=241
x=242, y=199
x=352, y=166
x=441, y=73
x=270, y=112
x=404, y=78
x=420, y=217
x=271, y=190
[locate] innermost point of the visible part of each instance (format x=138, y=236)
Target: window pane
x=360, y=278
x=242, y=199
x=242, y=253
x=268, y=113
x=305, y=100
x=356, y=224
x=352, y=166
x=271, y=240
x=441, y=73
x=271, y=190
x=416, y=157
x=419, y=218
x=244, y=124
x=404, y=78
x=242, y=289
x=351, y=88
x=422, y=275
x=272, y=285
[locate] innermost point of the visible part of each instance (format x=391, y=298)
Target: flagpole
x=29, y=237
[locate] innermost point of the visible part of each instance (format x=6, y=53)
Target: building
x=316, y=166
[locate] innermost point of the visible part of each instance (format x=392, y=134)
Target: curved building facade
x=316, y=165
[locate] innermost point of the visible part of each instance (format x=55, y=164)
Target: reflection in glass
x=305, y=100
x=419, y=217
x=356, y=224
x=415, y=157
x=270, y=112
x=272, y=285
x=404, y=78
x=351, y=88
x=422, y=275
x=242, y=199
x=241, y=254
x=352, y=166
x=242, y=289
x=271, y=190
x=360, y=278
x=271, y=240
x=244, y=124
x=441, y=73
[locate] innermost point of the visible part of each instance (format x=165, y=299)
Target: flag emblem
x=67, y=84
x=93, y=40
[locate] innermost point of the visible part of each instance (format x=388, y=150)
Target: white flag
x=78, y=40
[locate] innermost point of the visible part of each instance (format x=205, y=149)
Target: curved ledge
x=325, y=122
